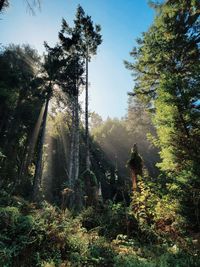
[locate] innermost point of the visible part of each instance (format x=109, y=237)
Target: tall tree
x=19, y=94
x=90, y=39
x=167, y=79
x=51, y=67
x=71, y=81
x=81, y=42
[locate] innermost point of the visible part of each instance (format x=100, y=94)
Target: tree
x=90, y=39
x=70, y=40
x=30, y=4
x=167, y=79
x=3, y=4
x=51, y=68
x=117, y=136
x=19, y=94
x=79, y=42
x=95, y=120
x=135, y=164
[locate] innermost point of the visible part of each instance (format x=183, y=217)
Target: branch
x=141, y=92
x=31, y=5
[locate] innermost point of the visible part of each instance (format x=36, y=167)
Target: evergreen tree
x=90, y=39
x=167, y=79
x=20, y=92
x=71, y=80
x=80, y=42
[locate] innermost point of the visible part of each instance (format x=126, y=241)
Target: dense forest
x=79, y=190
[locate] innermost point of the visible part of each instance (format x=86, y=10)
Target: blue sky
x=122, y=21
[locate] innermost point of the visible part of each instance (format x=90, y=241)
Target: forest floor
x=49, y=237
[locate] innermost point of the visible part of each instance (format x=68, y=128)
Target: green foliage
x=47, y=237
x=166, y=260
x=114, y=214
x=152, y=231
x=158, y=216
x=166, y=66
x=105, y=217
x=21, y=101
x=101, y=253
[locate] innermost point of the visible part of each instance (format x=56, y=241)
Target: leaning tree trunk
x=38, y=170
x=32, y=144
x=86, y=118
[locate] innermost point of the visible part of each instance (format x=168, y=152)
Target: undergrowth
x=49, y=237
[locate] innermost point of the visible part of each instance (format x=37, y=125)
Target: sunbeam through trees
x=80, y=189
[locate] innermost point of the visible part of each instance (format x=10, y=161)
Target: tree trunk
x=38, y=170
x=86, y=118
x=4, y=115
x=77, y=140
x=32, y=143
x=134, y=180
x=22, y=162
x=71, y=156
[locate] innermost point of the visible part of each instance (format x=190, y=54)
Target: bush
x=157, y=216
x=45, y=235
x=110, y=219
x=101, y=253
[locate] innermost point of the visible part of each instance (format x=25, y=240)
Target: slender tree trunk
x=22, y=162
x=77, y=139
x=38, y=170
x=86, y=118
x=32, y=143
x=71, y=157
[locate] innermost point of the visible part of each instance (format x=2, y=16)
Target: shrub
x=101, y=253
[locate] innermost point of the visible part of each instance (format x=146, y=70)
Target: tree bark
x=77, y=140
x=71, y=156
x=134, y=180
x=86, y=118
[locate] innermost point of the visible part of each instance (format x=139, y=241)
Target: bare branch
x=32, y=5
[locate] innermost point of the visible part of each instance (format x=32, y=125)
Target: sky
x=122, y=22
